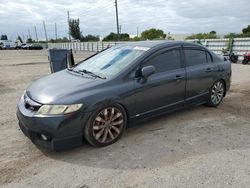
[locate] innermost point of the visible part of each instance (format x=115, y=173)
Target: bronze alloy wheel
x=217, y=92
x=108, y=125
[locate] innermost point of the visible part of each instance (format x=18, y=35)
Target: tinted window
x=195, y=57
x=166, y=61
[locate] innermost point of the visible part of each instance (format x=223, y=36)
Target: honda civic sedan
x=97, y=99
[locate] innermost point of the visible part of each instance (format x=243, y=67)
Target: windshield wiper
x=72, y=69
x=91, y=73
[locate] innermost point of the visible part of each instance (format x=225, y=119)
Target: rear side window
x=169, y=60
x=195, y=57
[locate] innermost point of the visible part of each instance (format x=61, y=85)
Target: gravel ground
x=196, y=147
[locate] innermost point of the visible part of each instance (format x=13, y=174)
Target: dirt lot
x=198, y=147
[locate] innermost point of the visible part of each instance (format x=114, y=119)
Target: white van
x=7, y=44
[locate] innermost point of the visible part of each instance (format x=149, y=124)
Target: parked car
x=246, y=59
x=97, y=99
x=35, y=47
x=32, y=47
x=25, y=46
x=18, y=44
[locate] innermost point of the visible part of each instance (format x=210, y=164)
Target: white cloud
x=98, y=16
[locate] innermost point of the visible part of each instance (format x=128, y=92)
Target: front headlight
x=58, y=109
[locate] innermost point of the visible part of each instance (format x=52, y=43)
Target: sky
x=18, y=17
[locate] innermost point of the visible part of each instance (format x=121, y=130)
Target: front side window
x=111, y=61
x=167, y=61
x=195, y=57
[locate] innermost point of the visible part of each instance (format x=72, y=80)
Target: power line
x=117, y=21
x=92, y=10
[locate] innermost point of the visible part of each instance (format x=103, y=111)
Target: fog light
x=44, y=137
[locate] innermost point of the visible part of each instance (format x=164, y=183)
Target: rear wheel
x=105, y=126
x=216, y=93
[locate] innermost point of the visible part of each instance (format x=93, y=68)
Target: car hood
x=63, y=87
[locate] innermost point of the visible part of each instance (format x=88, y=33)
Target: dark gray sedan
x=98, y=98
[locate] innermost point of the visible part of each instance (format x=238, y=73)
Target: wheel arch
x=108, y=102
x=225, y=86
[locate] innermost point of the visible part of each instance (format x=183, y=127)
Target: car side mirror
x=147, y=71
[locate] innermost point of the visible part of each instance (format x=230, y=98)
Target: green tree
x=89, y=38
x=113, y=37
x=64, y=39
x=210, y=35
x=245, y=33
x=20, y=39
x=232, y=35
x=153, y=34
x=213, y=32
x=136, y=38
x=29, y=40
x=246, y=30
x=74, y=28
x=4, y=37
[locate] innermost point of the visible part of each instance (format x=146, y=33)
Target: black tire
x=216, y=93
x=89, y=129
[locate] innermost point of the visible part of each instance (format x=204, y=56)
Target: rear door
x=201, y=72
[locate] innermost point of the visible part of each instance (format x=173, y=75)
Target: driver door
x=165, y=89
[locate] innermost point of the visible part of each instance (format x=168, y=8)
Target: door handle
x=179, y=77
x=209, y=69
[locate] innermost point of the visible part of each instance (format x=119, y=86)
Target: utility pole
x=45, y=32
x=117, y=21
x=68, y=27
x=36, y=33
x=137, y=31
x=56, y=31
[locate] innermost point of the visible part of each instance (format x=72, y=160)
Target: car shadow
x=166, y=139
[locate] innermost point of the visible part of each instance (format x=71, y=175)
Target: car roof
x=158, y=43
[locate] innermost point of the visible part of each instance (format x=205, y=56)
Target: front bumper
x=63, y=131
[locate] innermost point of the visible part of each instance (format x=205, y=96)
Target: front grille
x=30, y=104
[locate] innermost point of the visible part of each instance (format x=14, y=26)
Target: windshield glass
x=111, y=61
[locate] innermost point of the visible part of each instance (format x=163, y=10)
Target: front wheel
x=105, y=125
x=216, y=93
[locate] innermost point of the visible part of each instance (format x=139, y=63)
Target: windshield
x=111, y=61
